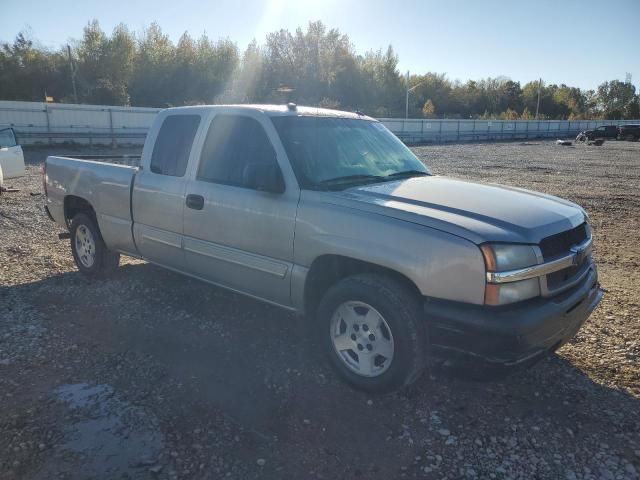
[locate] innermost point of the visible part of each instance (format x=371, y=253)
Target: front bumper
x=510, y=335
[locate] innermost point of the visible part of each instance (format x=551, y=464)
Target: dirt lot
x=152, y=375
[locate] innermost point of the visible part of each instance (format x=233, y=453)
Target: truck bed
x=103, y=184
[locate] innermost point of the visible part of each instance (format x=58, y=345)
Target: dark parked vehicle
x=603, y=131
x=629, y=132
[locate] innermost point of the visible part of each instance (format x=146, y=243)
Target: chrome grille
x=560, y=243
x=559, y=278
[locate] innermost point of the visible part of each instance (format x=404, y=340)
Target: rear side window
x=233, y=142
x=173, y=145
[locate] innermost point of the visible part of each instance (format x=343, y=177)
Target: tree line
x=317, y=66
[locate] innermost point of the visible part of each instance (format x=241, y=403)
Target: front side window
x=233, y=143
x=7, y=138
x=335, y=153
x=173, y=146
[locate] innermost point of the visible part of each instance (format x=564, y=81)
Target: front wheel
x=89, y=251
x=373, y=332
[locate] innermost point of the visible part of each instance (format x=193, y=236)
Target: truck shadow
x=257, y=365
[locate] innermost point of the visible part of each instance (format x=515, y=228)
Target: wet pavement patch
x=107, y=435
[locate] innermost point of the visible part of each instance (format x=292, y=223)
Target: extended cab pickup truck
x=328, y=214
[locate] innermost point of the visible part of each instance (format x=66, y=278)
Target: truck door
x=158, y=193
x=11, y=157
x=235, y=235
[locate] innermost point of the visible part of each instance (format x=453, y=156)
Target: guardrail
x=415, y=131
x=89, y=137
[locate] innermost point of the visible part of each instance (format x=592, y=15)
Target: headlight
x=500, y=257
x=504, y=293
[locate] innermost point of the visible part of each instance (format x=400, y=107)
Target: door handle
x=195, y=201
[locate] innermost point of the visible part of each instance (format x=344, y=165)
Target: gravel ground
x=152, y=375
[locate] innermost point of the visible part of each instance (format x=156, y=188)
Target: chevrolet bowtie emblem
x=579, y=254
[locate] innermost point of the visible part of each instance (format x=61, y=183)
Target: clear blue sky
x=520, y=39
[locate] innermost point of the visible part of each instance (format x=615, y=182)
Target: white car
x=11, y=156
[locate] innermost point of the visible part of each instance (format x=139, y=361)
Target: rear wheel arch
x=74, y=205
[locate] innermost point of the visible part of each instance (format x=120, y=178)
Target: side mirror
x=263, y=177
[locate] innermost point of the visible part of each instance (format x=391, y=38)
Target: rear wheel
x=89, y=251
x=373, y=332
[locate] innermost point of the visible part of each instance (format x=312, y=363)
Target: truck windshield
x=335, y=153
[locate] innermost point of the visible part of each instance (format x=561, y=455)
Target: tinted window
x=232, y=143
x=173, y=145
x=7, y=139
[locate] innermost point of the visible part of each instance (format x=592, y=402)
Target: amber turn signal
x=489, y=257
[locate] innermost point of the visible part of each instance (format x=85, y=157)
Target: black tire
x=104, y=260
x=400, y=309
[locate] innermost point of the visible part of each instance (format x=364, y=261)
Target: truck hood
x=477, y=212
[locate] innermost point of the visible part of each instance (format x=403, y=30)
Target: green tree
x=27, y=71
x=509, y=114
x=618, y=99
x=319, y=63
x=183, y=77
x=151, y=82
x=105, y=65
x=430, y=86
x=428, y=109
x=248, y=84
x=215, y=64
x=382, y=83
x=92, y=68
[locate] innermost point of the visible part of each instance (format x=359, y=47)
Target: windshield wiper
x=349, y=178
x=407, y=173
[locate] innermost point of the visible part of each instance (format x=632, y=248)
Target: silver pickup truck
x=328, y=214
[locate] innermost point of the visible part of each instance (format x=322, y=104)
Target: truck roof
x=283, y=110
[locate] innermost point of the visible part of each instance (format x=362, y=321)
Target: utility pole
x=538, y=104
x=73, y=74
x=406, y=102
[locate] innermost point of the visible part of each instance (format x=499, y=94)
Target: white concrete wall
x=38, y=122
